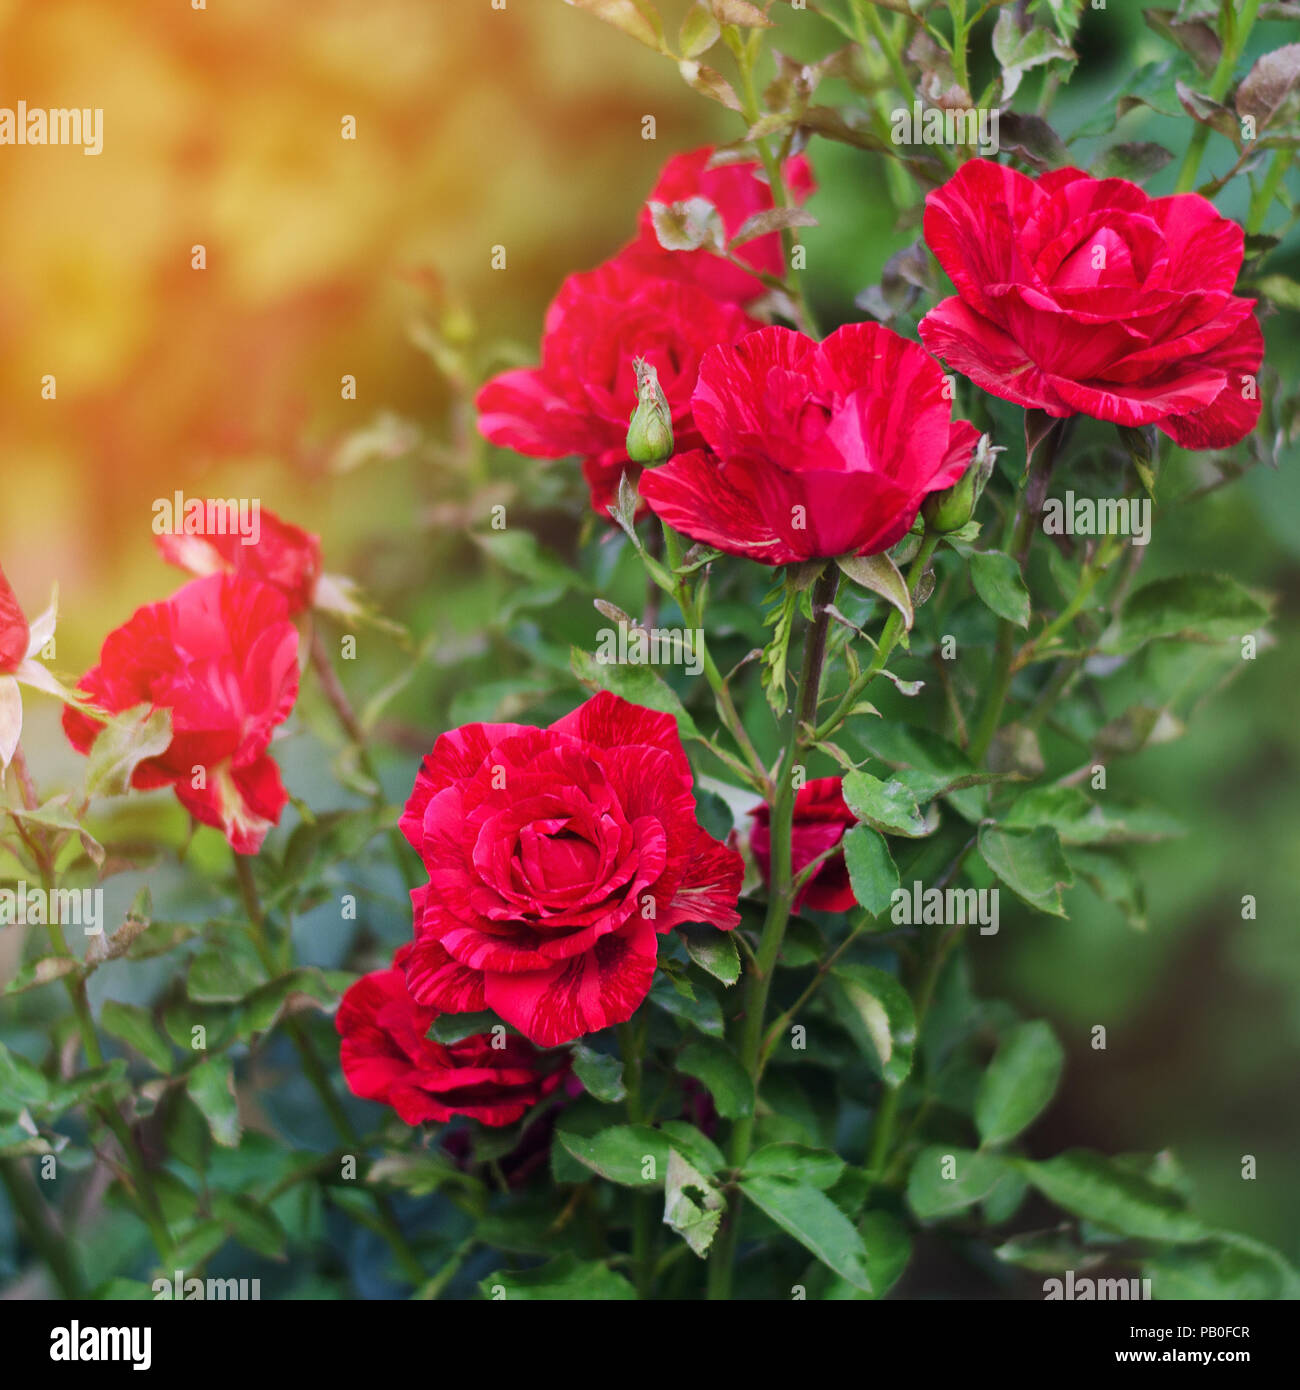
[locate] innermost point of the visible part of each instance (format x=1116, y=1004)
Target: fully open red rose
x=1085, y=296
x=386, y=1056
x=580, y=398
x=14, y=632
x=820, y=819
x=555, y=858
x=284, y=556
x=222, y=656
x=814, y=449
x=738, y=191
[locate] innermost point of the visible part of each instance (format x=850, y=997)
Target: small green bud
x=951, y=509
x=650, y=433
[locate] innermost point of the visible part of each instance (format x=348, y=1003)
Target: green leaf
x=819, y=1168
x=878, y=1012
x=815, y=1222
x=251, y=1223
x=701, y=1011
x=872, y=870
x=1079, y=820
x=135, y=1027
x=1136, y=161
x=1115, y=881
x=945, y=1180
x=1031, y=863
x=211, y=1086
x=122, y=745
x=454, y=1028
x=624, y=1154
x=712, y=1062
x=223, y=975
x=1100, y=1190
x=1280, y=289
x=699, y=31
x=1017, y=50
x=1229, y=1267
x=600, y=1074
x=1191, y=607
x=564, y=1278
x=882, y=576
x=998, y=583
x=694, y=1146
x=714, y=952
x=41, y=972
x=695, y=1219
x=637, y=18
x=1019, y=1083
x=885, y=806
x=21, y=1084
x=639, y=685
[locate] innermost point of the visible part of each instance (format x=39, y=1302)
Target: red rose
x=555, y=858
x=284, y=556
x=14, y=632
x=738, y=191
x=222, y=656
x=820, y=820
x=1084, y=296
x=580, y=399
x=815, y=449
x=386, y=1056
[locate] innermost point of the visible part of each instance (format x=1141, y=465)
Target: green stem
x=1038, y=470
x=338, y=700
x=31, y=1210
x=632, y=1038
x=1262, y=198
x=776, y=180
x=889, y=636
x=314, y=1070
x=780, y=896
x=690, y=605
x=1233, y=44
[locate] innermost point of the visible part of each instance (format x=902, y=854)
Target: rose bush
x=654, y=976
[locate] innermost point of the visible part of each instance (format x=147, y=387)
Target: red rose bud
x=14, y=632
x=650, y=433
x=821, y=817
x=556, y=858
x=222, y=656
x=815, y=450
x=387, y=1056
x=1083, y=296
